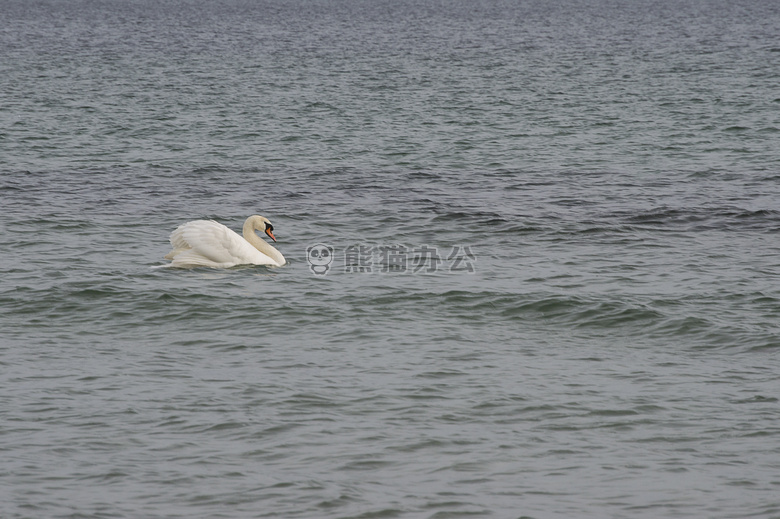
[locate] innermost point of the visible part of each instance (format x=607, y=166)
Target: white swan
x=206, y=243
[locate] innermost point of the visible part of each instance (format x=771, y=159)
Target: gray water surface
x=607, y=347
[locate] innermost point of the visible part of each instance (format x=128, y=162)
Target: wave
x=700, y=218
x=696, y=322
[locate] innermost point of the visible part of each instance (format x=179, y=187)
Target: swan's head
x=269, y=231
x=261, y=223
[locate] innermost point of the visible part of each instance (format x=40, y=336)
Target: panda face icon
x=319, y=256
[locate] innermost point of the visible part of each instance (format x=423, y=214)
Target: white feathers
x=206, y=243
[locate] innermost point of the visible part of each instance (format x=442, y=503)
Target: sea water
x=533, y=259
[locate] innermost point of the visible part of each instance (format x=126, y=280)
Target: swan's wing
x=211, y=244
x=216, y=242
x=177, y=238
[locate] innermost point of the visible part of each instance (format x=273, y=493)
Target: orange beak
x=269, y=233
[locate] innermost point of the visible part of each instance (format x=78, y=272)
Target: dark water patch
x=578, y=311
x=705, y=218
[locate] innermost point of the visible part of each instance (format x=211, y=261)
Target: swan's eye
x=269, y=227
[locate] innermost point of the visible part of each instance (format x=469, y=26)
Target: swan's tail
x=174, y=252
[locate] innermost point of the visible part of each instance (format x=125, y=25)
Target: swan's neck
x=260, y=244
